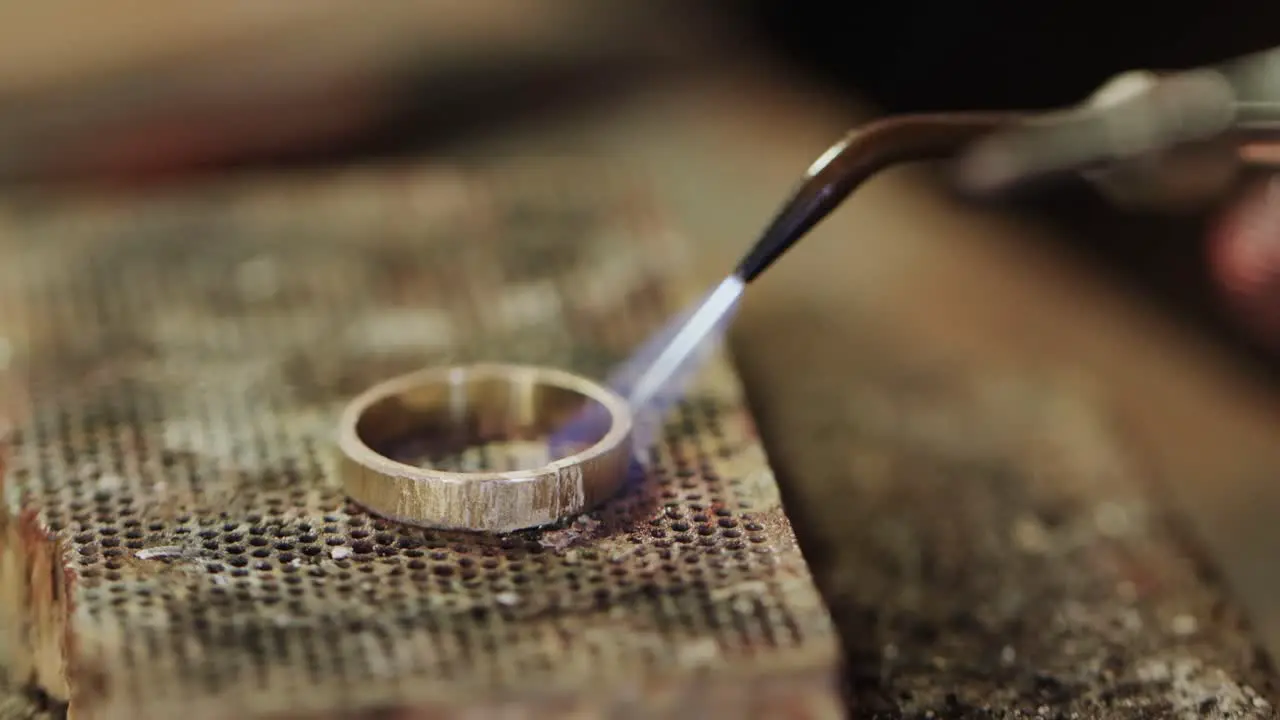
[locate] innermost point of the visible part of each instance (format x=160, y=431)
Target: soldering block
x=174, y=541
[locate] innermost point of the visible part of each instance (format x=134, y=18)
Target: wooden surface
x=982, y=443
x=987, y=542
x=65, y=43
x=139, y=88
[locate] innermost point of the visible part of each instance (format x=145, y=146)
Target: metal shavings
x=156, y=553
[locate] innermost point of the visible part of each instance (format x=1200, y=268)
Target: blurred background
x=723, y=103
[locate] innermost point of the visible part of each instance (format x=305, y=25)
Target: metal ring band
x=481, y=400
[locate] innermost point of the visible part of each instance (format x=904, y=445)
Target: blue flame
x=655, y=377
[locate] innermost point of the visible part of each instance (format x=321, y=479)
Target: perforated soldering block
x=174, y=542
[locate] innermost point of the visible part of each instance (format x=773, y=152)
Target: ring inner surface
x=483, y=423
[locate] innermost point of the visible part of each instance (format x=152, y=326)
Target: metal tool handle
x=1145, y=137
x=858, y=156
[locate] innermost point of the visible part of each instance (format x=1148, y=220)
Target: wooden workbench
x=984, y=450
